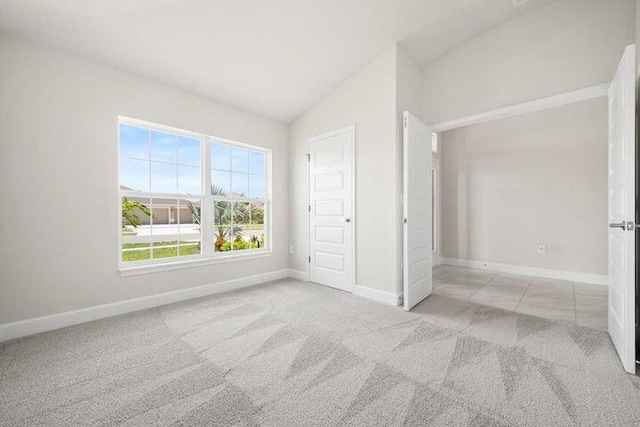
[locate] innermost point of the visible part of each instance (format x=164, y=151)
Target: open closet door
x=622, y=229
x=418, y=279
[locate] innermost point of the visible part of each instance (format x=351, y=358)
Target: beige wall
x=536, y=178
x=366, y=100
x=58, y=151
x=563, y=46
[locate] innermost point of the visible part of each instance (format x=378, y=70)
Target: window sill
x=137, y=270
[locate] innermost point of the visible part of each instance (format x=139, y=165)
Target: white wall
x=563, y=46
x=58, y=120
x=58, y=163
x=536, y=178
x=366, y=100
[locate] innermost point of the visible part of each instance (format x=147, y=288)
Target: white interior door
x=331, y=211
x=622, y=210
x=417, y=264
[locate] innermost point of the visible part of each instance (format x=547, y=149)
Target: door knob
x=622, y=225
x=347, y=220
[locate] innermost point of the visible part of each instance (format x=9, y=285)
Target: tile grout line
x=482, y=287
x=494, y=275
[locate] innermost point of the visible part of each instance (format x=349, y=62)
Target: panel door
x=418, y=184
x=331, y=216
x=622, y=232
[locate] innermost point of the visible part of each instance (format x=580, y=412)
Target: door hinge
x=405, y=122
x=309, y=208
x=309, y=258
x=308, y=157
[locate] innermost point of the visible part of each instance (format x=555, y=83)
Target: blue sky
x=238, y=170
x=167, y=163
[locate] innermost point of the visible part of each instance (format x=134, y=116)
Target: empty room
x=329, y=213
x=522, y=205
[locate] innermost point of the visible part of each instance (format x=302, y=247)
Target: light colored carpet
x=293, y=354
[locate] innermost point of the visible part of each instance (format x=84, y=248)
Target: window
x=238, y=190
x=186, y=196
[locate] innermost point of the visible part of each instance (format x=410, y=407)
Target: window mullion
x=207, y=214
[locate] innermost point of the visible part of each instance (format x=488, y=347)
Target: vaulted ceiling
x=275, y=58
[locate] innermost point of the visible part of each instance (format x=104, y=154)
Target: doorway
x=621, y=239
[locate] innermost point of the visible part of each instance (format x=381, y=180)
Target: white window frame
x=207, y=239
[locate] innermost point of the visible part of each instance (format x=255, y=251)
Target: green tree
x=231, y=217
x=130, y=211
x=195, y=212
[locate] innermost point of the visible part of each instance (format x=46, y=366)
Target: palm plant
x=195, y=212
x=130, y=211
x=231, y=217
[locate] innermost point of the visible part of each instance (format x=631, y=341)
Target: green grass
x=144, y=254
x=147, y=244
x=142, y=251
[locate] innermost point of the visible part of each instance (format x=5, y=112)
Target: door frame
x=436, y=255
x=350, y=129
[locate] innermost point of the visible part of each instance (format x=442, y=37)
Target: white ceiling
x=275, y=58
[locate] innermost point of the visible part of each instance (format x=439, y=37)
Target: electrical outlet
x=542, y=248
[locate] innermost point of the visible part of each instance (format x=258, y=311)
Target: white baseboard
x=596, y=279
x=37, y=325
x=387, y=298
x=383, y=297
x=298, y=275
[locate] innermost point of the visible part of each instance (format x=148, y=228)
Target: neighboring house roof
x=158, y=202
x=165, y=202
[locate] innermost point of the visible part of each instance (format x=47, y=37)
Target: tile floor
x=580, y=303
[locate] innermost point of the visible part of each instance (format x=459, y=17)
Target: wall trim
x=37, y=325
x=384, y=297
x=596, y=91
x=298, y=275
x=595, y=279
